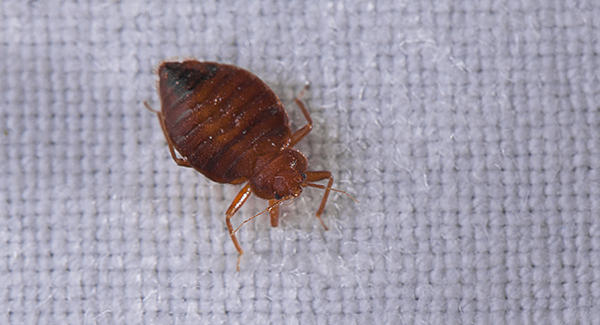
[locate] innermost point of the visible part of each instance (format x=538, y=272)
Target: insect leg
x=305, y=130
x=161, y=119
x=237, y=203
x=274, y=213
x=317, y=176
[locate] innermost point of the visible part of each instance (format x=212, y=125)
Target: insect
x=230, y=126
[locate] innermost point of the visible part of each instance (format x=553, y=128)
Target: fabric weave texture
x=468, y=130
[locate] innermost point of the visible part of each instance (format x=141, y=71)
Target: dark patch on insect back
x=182, y=79
x=204, y=105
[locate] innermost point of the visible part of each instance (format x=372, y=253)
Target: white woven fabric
x=468, y=130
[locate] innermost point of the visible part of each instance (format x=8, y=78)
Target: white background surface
x=468, y=130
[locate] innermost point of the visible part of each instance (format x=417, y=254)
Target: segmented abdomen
x=220, y=118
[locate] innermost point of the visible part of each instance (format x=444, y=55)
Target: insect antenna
x=268, y=209
x=329, y=188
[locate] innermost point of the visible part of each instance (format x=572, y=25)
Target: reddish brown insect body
x=229, y=125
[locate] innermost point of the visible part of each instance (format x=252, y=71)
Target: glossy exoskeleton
x=230, y=126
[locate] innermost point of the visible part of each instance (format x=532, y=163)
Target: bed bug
x=230, y=126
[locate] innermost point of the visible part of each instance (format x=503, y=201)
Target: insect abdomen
x=217, y=115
